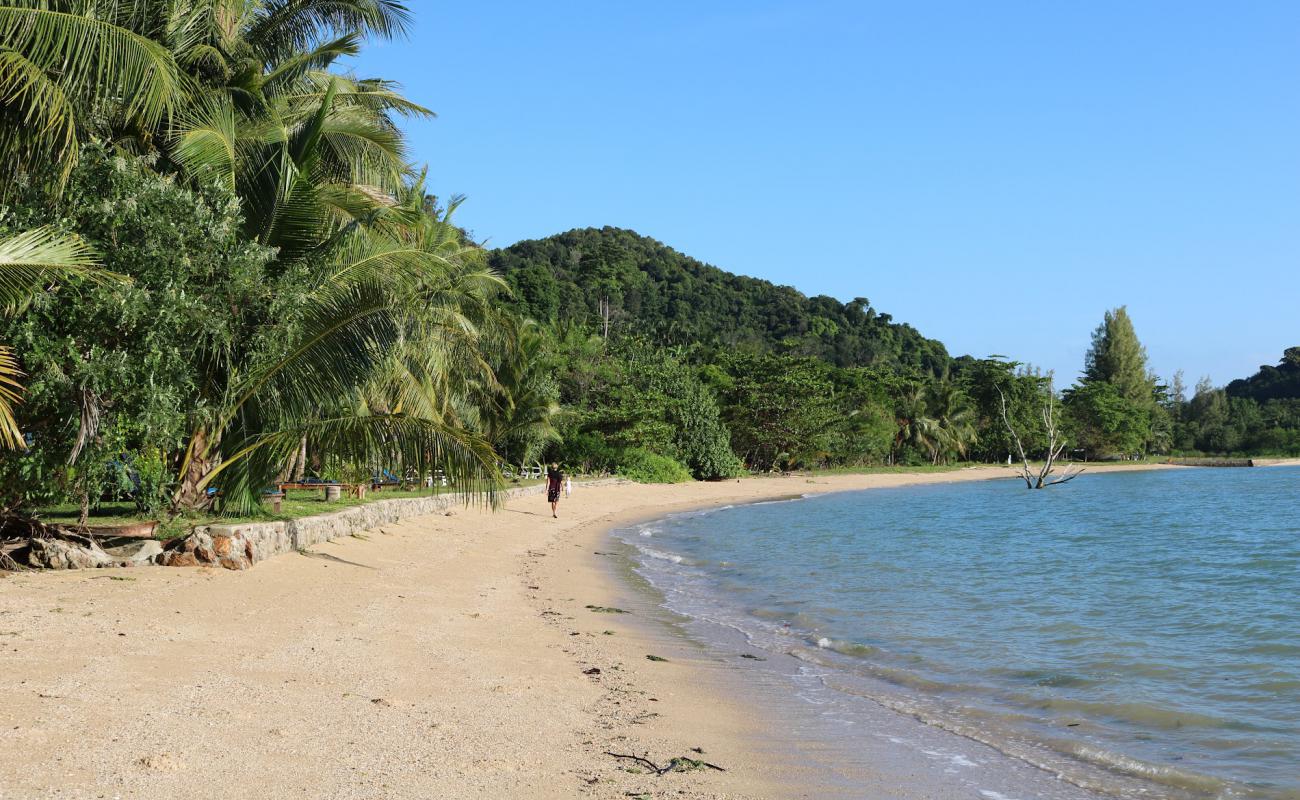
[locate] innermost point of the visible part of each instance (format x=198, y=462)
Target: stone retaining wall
x=258, y=541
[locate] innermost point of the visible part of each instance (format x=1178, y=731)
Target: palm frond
x=94, y=60
x=380, y=441
x=34, y=258
x=284, y=26
x=49, y=121
x=10, y=395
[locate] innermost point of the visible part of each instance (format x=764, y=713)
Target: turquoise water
x=1140, y=626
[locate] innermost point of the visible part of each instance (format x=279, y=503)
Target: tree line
x=642, y=335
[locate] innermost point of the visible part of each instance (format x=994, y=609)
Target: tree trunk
x=190, y=495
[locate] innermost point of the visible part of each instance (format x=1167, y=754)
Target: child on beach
x=554, y=482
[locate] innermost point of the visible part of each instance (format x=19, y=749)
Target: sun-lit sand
x=440, y=657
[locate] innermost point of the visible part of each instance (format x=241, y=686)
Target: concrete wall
x=273, y=538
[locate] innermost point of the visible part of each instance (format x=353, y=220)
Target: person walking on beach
x=568, y=486
x=554, y=482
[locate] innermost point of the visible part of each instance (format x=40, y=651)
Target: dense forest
x=810, y=381
x=644, y=287
x=220, y=271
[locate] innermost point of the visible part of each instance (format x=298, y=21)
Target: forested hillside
x=1271, y=383
x=652, y=290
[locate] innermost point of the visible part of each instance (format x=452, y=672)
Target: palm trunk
x=190, y=494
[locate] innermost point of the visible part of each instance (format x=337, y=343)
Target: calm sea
x=1136, y=633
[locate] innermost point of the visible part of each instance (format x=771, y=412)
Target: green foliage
x=633, y=395
x=1271, y=383
x=112, y=365
x=1118, y=358
x=987, y=382
x=653, y=290
x=1105, y=422
x=643, y=466
x=780, y=410
x=1117, y=408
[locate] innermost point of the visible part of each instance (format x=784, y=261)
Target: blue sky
x=997, y=174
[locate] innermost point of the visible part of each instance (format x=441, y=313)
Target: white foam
x=661, y=555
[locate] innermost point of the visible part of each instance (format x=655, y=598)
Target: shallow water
x=1136, y=633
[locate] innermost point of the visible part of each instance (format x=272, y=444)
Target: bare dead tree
x=1036, y=477
x=605, y=315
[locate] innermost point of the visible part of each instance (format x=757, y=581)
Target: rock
x=64, y=554
x=135, y=553
x=175, y=558
x=230, y=549
x=450, y=514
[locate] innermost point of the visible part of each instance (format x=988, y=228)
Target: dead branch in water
x=1037, y=479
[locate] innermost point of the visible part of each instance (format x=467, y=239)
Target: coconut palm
x=392, y=342
x=915, y=427
x=125, y=70
x=519, y=417
x=953, y=421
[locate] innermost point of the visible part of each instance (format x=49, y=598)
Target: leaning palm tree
x=28, y=262
x=375, y=301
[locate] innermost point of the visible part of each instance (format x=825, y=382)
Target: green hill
x=1272, y=383
x=672, y=298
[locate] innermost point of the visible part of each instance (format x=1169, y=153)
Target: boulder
x=229, y=550
x=66, y=554
x=134, y=553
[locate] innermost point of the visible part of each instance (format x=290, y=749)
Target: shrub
x=644, y=466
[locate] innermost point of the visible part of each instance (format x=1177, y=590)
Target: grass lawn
x=297, y=503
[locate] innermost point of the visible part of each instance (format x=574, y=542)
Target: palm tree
x=28, y=262
x=915, y=427
x=364, y=375
x=519, y=417
x=953, y=421
x=394, y=344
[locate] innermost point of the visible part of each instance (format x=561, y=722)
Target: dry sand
x=442, y=657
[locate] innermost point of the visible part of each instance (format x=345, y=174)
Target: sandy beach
x=451, y=656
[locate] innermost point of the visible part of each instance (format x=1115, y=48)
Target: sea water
x=1135, y=633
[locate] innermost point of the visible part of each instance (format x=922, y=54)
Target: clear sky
x=998, y=174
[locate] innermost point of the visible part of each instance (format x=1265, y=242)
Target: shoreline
x=436, y=657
